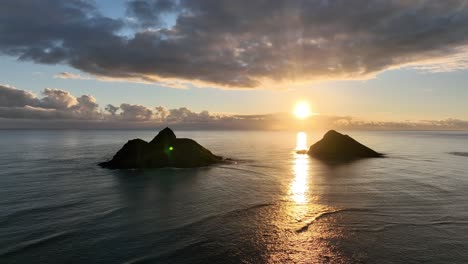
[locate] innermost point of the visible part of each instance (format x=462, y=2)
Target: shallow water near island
x=269, y=206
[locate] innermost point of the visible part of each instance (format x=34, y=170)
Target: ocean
x=270, y=205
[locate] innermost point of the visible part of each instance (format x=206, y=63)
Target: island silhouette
x=339, y=147
x=165, y=150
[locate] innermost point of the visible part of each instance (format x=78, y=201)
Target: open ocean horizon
x=270, y=205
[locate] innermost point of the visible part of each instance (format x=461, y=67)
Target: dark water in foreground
x=272, y=206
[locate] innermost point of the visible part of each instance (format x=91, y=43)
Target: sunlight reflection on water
x=305, y=240
x=300, y=184
x=301, y=141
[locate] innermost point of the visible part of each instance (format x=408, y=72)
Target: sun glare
x=302, y=110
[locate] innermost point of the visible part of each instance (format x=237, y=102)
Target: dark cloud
x=53, y=31
x=111, y=109
x=148, y=13
x=11, y=97
x=244, y=43
x=36, y=113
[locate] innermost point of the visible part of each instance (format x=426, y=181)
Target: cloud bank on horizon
x=60, y=109
x=238, y=44
x=57, y=104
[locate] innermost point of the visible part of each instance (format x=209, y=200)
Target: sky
x=385, y=64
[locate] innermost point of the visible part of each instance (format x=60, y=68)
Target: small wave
x=461, y=154
x=449, y=223
x=33, y=243
x=240, y=160
x=325, y=214
x=433, y=223
x=107, y=213
x=211, y=217
x=263, y=166
x=168, y=255
x=249, y=208
x=142, y=259
x=434, y=188
x=245, y=170
x=387, y=226
x=35, y=210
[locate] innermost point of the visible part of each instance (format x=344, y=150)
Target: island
x=339, y=147
x=165, y=150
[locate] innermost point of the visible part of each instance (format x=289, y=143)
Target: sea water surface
x=269, y=206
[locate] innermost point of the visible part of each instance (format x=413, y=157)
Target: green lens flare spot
x=171, y=148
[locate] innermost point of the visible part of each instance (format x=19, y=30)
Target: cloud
x=111, y=109
x=444, y=124
x=57, y=99
x=87, y=107
x=135, y=112
x=69, y=75
x=161, y=113
x=61, y=104
x=167, y=82
x=60, y=109
x=237, y=44
x=148, y=13
x=12, y=97
x=183, y=114
x=55, y=104
x=454, y=62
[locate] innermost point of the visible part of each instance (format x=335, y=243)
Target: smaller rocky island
x=339, y=147
x=165, y=150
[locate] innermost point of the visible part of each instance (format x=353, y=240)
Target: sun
x=302, y=110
